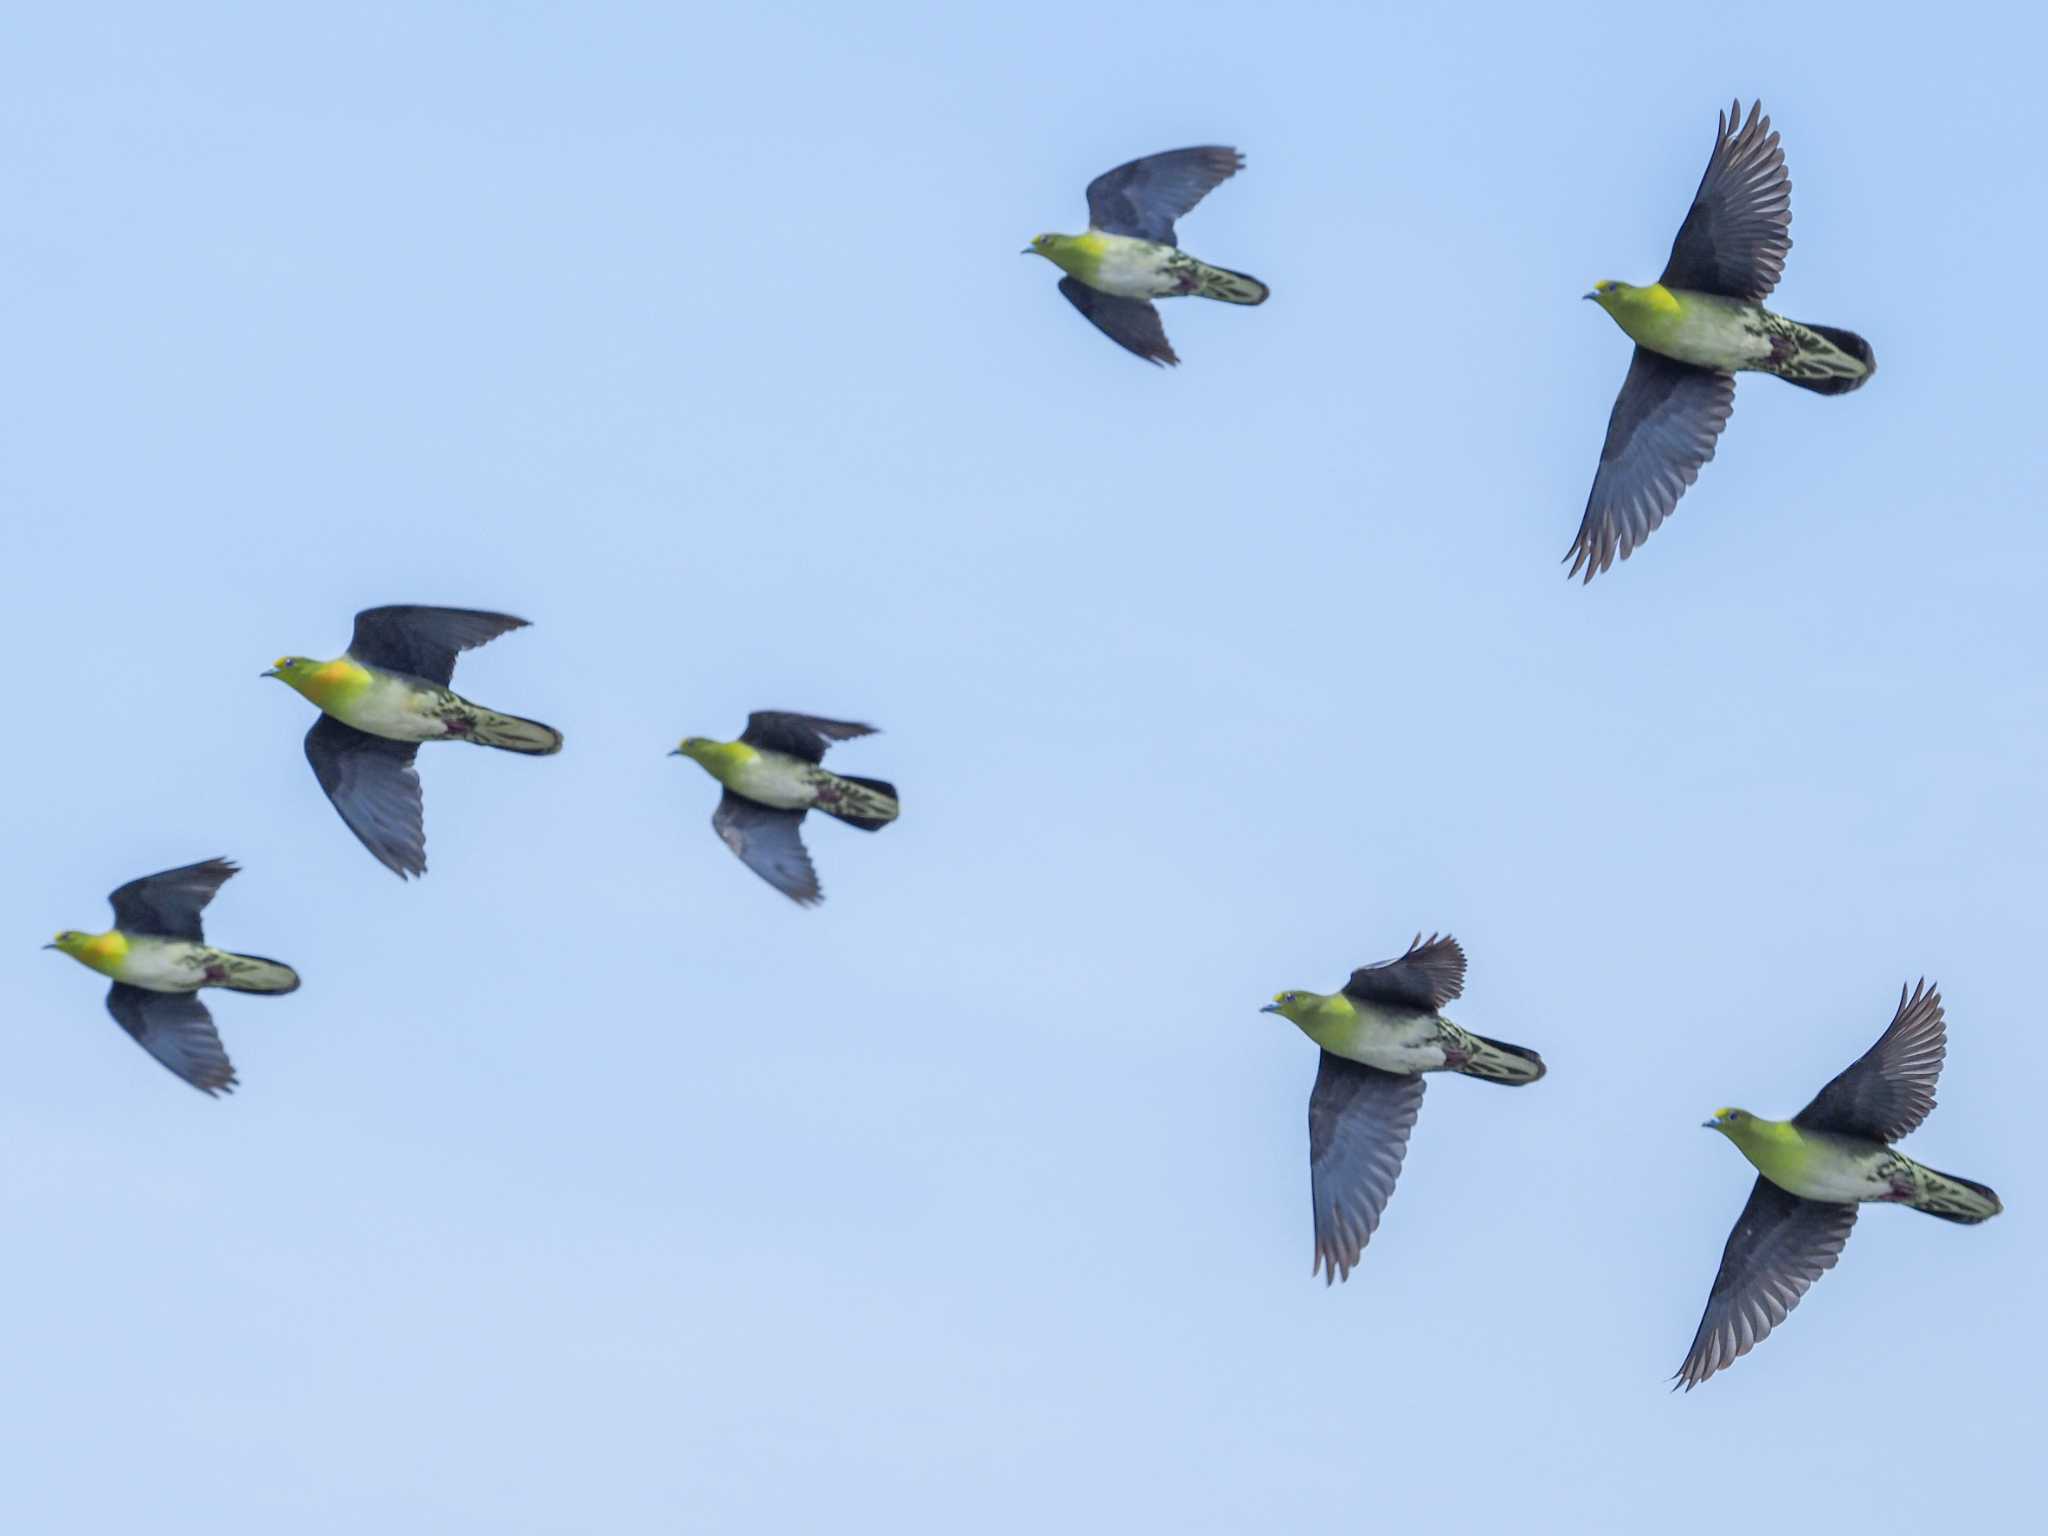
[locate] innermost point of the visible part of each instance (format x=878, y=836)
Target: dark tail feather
x=257, y=974
x=1501, y=1062
x=1850, y=343
x=1949, y=1206
x=853, y=817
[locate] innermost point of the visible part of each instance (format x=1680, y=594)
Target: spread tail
x=1954, y=1199
x=253, y=973
x=1231, y=287
x=1499, y=1062
x=869, y=804
x=1824, y=359
x=512, y=734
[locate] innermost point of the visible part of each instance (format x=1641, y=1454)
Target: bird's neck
x=330, y=683
x=1080, y=255
x=1327, y=1018
x=1770, y=1144
x=1644, y=313
x=723, y=759
x=104, y=952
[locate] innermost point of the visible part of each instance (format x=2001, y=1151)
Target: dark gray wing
x=769, y=843
x=176, y=1029
x=169, y=904
x=1428, y=976
x=1665, y=423
x=372, y=782
x=1738, y=230
x=1358, y=1123
x=424, y=641
x=1888, y=1090
x=1132, y=324
x=804, y=736
x=1144, y=197
x=1781, y=1245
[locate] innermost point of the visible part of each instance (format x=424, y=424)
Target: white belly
x=1393, y=1042
x=164, y=965
x=773, y=780
x=1133, y=269
x=1842, y=1182
x=392, y=710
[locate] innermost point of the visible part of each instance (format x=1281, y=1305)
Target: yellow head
x=101, y=951
x=323, y=682
x=1296, y=1007
x=1730, y=1122
x=1046, y=246
x=713, y=756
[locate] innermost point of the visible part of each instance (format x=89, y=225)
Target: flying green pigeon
x=159, y=960
x=1379, y=1035
x=1814, y=1170
x=772, y=777
x=1695, y=328
x=1127, y=257
x=383, y=697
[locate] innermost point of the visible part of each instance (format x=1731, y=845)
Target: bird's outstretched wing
x=1144, y=197
x=1428, y=976
x=1888, y=1090
x=1736, y=234
x=1665, y=423
x=1358, y=1123
x=169, y=904
x=804, y=736
x=1132, y=324
x=769, y=843
x=176, y=1029
x=1781, y=1245
x=374, y=786
x=424, y=641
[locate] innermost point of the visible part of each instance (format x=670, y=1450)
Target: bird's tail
x=512, y=734
x=253, y=973
x=1499, y=1062
x=1231, y=287
x=1953, y=1199
x=869, y=804
x=1825, y=359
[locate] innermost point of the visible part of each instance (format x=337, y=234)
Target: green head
x=1607, y=293
x=1735, y=1124
x=714, y=757
x=1295, y=1007
x=292, y=671
x=1047, y=246
x=102, y=951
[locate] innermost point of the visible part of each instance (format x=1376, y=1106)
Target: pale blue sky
x=589, y=1185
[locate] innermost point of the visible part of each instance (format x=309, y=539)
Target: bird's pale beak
x=1710, y=1125
x=1270, y=1008
x=270, y=672
x=675, y=751
x=49, y=946
x=1589, y=295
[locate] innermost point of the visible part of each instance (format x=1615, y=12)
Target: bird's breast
x=1707, y=330
x=1393, y=1041
x=394, y=708
x=1131, y=268
x=1817, y=1167
x=163, y=965
x=771, y=779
